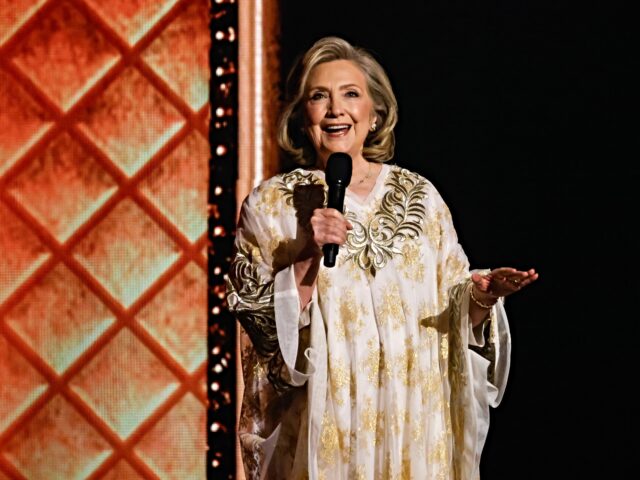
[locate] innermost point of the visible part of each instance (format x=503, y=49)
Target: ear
x=374, y=124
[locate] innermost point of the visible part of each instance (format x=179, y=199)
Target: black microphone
x=338, y=176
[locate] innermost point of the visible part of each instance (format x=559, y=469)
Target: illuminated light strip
x=221, y=371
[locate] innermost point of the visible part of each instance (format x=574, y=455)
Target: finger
x=529, y=280
x=331, y=234
x=332, y=213
x=526, y=278
x=320, y=224
x=482, y=282
x=503, y=271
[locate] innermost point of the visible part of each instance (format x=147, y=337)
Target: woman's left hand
x=504, y=281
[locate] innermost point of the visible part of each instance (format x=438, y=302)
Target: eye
x=352, y=93
x=317, y=96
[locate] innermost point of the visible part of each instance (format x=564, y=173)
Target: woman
x=385, y=365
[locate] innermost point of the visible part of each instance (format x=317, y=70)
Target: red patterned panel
x=57, y=431
x=103, y=195
x=13, y=13
x=22, y=383
x=130, y=121
x=182, y=59
x=65, y=55
x=22, y=252
x=62, y=187
x=22, y=121
x=131, y=19
x=59, y=317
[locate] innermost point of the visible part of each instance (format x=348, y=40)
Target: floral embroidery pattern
x=400, y=217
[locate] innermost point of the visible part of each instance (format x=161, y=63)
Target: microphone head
x=338, y=169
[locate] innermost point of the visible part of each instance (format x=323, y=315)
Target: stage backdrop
x=103, y=191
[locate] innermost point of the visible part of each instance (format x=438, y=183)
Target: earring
x=373, y=126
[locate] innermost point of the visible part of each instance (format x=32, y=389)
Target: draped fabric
x=381, y=375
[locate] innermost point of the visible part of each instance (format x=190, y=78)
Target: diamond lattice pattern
x=103, y=190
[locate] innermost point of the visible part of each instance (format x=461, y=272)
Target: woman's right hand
x=328, y=225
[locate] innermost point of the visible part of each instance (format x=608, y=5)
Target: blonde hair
x=379, y=144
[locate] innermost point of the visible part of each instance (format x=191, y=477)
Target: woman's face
x=338, y=109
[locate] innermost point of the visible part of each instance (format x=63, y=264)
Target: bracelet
x=479, y=303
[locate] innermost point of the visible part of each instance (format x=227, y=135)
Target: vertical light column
x=258, y=79
x=258, y=110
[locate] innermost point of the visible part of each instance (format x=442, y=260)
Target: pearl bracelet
x=479, y=303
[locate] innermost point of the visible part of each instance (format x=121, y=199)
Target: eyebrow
x=341, y=87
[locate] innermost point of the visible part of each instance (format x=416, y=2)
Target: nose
x=335, y=107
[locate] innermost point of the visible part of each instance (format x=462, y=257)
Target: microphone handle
x=335, y=196
x=335, y=200
x=330, y=251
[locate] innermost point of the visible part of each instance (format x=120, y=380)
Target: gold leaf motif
x=400, y=217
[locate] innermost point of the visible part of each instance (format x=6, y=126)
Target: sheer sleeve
x=251, y=289
x=479, y=358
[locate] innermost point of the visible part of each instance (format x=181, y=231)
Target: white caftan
x=381, y=376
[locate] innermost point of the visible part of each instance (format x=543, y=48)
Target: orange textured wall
x=103, y=191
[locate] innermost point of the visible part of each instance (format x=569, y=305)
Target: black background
x=520, y=113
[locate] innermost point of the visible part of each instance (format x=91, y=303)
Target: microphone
x=338, y=176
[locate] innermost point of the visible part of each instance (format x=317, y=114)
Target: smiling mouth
x=336, y=129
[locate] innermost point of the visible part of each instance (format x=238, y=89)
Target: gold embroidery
x=449, y=274
x=369, y=417
x=397, y=420
x=345, y=445
x=413, y=363
x=276, y=248
x=372, y=363
x=250, y=299
x=349, y=322
x=400, y=217
x=405, y=473
x=431, y=336
x=444, y=347
x=430, y=383
x=379, y=440
x=440, y=454
x=457, y=376
x=391, y=307
x=488, y=350
x=412, y=265
x=417, y=432
x=328, y=441
x=402, y=361
x=386, y=468
x=360, y=473
x=386, y=366
x=339, y=378
x=269, y=199
x=258, y=372
x=324, y=283
x=433, y=229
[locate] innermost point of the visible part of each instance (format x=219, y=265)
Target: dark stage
x=518, y=113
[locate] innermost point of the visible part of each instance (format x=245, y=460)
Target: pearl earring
x=373, y=126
